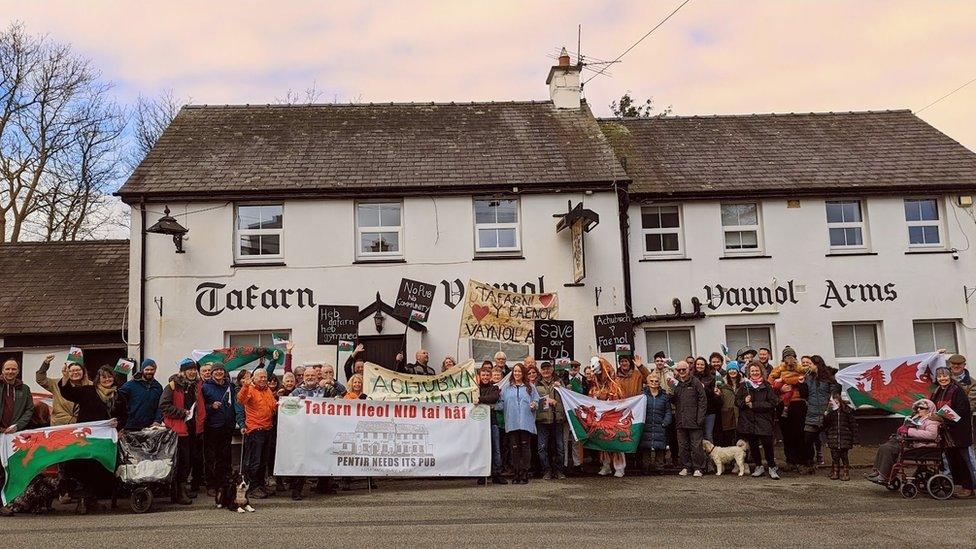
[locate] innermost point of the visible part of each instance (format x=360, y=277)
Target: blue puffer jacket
x=141, y=399
x=226, y=394
x=818, y=399
x=657, y=419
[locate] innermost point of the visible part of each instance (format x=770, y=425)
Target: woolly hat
x=188, y=364
x=788, y=351
x=217, y=366
x=956, y=359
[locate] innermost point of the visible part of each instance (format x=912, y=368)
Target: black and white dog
x=233, y=495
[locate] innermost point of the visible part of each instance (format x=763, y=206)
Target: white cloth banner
x=335, y=437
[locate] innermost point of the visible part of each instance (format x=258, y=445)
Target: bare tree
x=57, y=131
x=151, y=117
x=311, y=94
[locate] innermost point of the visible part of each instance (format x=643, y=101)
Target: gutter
x=142, y=280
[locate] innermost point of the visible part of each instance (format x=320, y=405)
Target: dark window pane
x=837, y=237
x=669, y=242
x=912, y=211
x=928, y=210
x=931, y=233
x=669, y=218
x=852, y=212
x=834, y=212
x=651, y=220
x=250, y=245
x=915, y=235
x=653, y=242
x=853, y=236
x=270, y=244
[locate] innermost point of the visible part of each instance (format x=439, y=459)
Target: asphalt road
x=577, y=512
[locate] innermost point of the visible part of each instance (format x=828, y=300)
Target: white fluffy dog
x=726, y=454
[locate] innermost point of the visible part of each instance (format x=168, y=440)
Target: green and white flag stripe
x=26, y=454
x=606, y=425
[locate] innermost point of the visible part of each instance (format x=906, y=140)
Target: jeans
x=521, y=442
x=496, y=450
x=692, y=455
x=255, y=447
x=216, y=449
x=552, y=447
x=709, y=428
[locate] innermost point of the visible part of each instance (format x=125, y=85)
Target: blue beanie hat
x=146, y=362
x=187, y=364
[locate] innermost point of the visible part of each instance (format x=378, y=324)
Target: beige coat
x=63, y=411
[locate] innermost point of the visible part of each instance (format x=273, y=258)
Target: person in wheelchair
x=920, y=430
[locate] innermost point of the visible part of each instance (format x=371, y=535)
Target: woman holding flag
x=952, y=403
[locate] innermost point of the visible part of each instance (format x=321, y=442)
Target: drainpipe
x=623, y=205
x=142, y=280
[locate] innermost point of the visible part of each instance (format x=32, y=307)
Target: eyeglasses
x=681, y=369
x=917, y=408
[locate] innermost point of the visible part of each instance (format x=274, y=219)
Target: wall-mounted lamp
x=168, y=225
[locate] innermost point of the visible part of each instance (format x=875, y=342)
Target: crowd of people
x=693, y=404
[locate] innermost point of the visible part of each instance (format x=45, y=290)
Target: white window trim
x=863, y=225
x=478, y=226
x=849, y=360
x=689, y=329
x=760, y=241
x=238, y=233
x=770, y=327
x=367, y=256
x=680, y=252
x=229, y=333
x=938, y=223
x=932, y=321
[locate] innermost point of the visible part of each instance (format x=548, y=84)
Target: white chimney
x=564, y=83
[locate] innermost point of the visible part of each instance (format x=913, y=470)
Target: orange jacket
x=632, y=383
x=259, y=407
x=782, y=376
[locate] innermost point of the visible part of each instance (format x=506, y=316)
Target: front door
x=383, y=349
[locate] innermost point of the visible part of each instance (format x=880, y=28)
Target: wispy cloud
x=711, y=58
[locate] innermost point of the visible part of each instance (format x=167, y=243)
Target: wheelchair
x=928, y=470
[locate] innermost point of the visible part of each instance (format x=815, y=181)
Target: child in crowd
x=840, y=431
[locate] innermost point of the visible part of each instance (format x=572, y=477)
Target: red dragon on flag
x=49, y=440
x=891, y=384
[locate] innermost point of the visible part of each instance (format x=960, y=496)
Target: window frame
x=679, y=231
x=940, y=211
x=238, y=233
x=668, y=351
x=760, y=248
x=770, y=328
x=517, y=226
x=230, y=333
x=845, y=361
x=498, y=344
x=931, y=322
x=862, y=224
x=359, y=230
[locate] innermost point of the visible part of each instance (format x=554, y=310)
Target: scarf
x=106, y=394
x=755, y=384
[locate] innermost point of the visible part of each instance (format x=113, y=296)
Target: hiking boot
x=683, y=472
x=845, y=473
x=760, y=471
x=697, y=473
x=258, y=493
x=834, y=472
x=774, y=473
x=962, y=493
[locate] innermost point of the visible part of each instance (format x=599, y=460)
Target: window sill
x=378, y=261
x=650, y=259
x=745, y=257
x=852, y=254
x=258, y=264
x=925, y=252
x=494, y=257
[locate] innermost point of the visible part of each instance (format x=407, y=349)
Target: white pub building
x=841, y=234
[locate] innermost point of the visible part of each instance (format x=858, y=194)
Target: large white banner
x=333, y=437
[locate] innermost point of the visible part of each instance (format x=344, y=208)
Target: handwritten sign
x=554, y=340
x=414, y=297
x=612, y=330
x=459, y=384
x=496, y=315
x=338, y=322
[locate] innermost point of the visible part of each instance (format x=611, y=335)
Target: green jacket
x=23, y=404
x=549, y=414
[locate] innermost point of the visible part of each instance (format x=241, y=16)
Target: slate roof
x=398, y=147
x=63, y=287
x=847, y=152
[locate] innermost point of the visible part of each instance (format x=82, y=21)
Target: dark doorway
x=383, y=349
x=96, y=358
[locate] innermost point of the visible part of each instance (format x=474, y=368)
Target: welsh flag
x=892, y=384
x=607, y=425
x=26, y=453
x=238, y=357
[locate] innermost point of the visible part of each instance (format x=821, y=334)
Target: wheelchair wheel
x=909, y=490
x=894, y=485
x=940, y=487
x=922, y=475
x=141, y=499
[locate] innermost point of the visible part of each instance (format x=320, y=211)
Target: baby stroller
x=928, y=473
x=146, y=465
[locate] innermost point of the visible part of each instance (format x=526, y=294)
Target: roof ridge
x=755, y=115
x=65, y=242
x=365, y=104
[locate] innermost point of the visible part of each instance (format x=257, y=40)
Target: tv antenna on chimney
x=584, y=62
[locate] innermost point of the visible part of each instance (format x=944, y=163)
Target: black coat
x=757, y=419
x=489, y=395
x=840, y=428
x=714, y=401
x=90, y=405
x=690, y=404
x=960, y=432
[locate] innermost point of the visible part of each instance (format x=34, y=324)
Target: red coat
x=174, y=406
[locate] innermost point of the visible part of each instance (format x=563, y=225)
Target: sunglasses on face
x=681, y=370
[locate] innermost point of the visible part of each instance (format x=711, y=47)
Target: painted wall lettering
x=845, y=294
x=213, y=300
x=749, y=299
x=454, y=290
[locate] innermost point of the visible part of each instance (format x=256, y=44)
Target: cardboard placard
x=338, y=322
x=613, y=329
x=414, y=297
x=554, y=340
